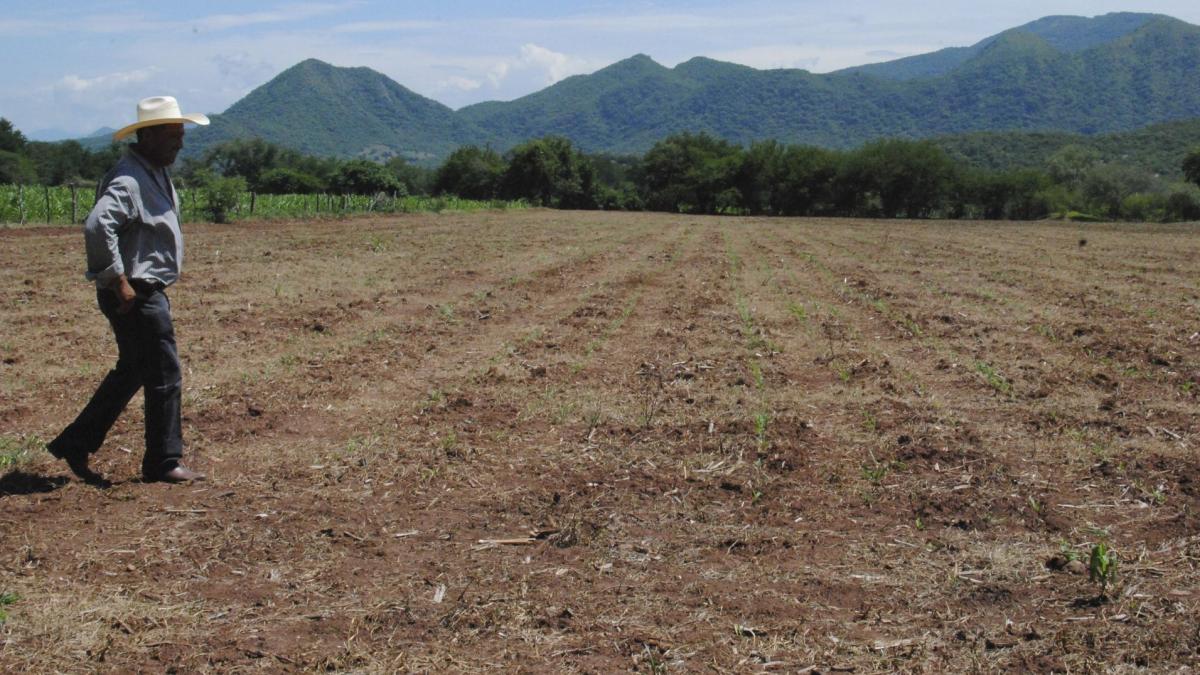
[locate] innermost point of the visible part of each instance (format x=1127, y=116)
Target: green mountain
x=1065, y=33
x=1070, y=75
x=1020, y=80
x=321, y=109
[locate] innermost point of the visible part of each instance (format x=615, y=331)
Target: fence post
x=21, y=202
x=74, y=205
x=49, y=216
x=252, y=196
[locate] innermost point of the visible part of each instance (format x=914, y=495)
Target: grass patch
x=7, y=599
x=16, y=450
x=994, y=379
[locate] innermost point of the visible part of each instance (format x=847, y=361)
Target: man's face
x=161, y=143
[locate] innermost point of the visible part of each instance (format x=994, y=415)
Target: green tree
x=550, y=172
x=470, y=172
x=415, y=179
x=16, y=168
x=11, y=139
x=996, y=195
x=1183, y=203
x=285, y=181
x=806, y=181
x=1070, y=164
x=1106, y=186
x=758, y=178
x=690, y=173
x=896, y=177
x=364, y=177
x=1191, y=166
x=248, y=158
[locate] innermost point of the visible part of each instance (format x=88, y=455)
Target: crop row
x=67, y=204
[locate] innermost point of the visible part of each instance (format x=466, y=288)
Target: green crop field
x=64, y=205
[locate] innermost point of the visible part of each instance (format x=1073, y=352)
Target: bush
x=1183, y=203
x=623, y=198
x=288, y=182
x=220, y=194
x=1106, y=186
x=470, y=172
x=1144, y=207
x=364, y=177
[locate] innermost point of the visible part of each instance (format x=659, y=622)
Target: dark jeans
x=146, y=360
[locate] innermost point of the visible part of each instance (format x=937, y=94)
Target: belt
x=146, y=286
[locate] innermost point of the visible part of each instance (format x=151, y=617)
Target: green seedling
x=761, y=420
x=756, y=373
x=876, y=472
x=1067, y=552
x=798, y=311
x=376, y=243
x=1102, y=567
x=994, y=379
x=6, y=599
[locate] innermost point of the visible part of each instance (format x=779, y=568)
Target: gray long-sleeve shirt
x=134, y=227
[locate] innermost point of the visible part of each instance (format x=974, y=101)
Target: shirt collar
x=141, y=159
x=158, y=174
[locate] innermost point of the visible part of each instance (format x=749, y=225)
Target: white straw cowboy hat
x=159, y=110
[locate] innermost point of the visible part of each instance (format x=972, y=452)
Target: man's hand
x=125, y=294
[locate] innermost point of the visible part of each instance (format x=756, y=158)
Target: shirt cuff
x=107, y=276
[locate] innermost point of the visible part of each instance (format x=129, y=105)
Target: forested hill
x=321, y=109
x=1060, y=74
x=1065, y=33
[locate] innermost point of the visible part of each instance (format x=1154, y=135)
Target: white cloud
x=76, y=84
x=774, y=56
x=537, y=63
x=555, y=64
x=535, y=56
x=814, y=58
x=497, y=74
x=460, y=83
x=23, y=27
x=243, y=68
x=283, y=14
x=386, y=26
x=649, y=23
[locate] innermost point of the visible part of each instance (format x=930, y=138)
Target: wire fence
x=66, y=204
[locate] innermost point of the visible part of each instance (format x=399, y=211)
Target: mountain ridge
x=1058, y=74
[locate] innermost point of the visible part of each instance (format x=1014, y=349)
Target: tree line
x=684, y=173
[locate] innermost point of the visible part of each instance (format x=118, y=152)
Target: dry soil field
x=587, y=442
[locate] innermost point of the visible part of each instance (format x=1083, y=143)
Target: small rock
x=1057, y=562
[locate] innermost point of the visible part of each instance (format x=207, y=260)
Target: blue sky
x=72, y=67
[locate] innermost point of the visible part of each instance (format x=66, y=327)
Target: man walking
x=134, y=252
